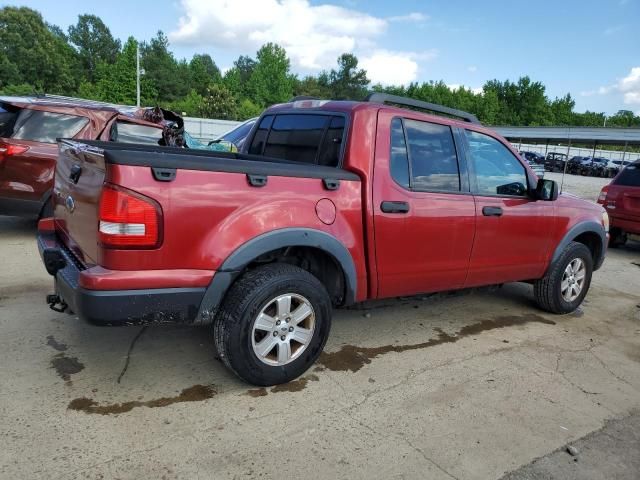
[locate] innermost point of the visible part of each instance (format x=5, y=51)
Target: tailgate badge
x=70, y=204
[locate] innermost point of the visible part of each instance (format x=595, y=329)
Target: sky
x=588, y=48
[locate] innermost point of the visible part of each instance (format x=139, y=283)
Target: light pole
x=137, y=75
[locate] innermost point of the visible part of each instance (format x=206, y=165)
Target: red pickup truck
x=329, y=203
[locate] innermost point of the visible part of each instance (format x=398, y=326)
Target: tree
x=270, y=81
x=94, y=43
x=219, y=103
x=171, y=80
x=247, y=109
x=117, y=83
x=40, y=56
x=348, y=82
x=191, y=105
x=204, y=72
x=317, y=87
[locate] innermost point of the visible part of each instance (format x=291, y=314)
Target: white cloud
x=472, y=69
x=628, y=86
x=456, y=86
x=394, y=68
x=313, y=35
x=412, y=17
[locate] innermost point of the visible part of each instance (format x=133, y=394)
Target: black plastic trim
x=385, y=98
x=20, y=208
x=163, y=174
x=577, y=230
x=267, y=242
x=185, y=159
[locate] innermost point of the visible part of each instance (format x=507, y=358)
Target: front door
x=513, y=231
x=424, y=215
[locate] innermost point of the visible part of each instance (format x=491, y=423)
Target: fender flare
x=267, y=242
x=580, y=228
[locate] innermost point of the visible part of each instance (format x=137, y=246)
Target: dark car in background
x=530, y=157
x=533, y=157
x=554, y=162
x=237, y=134
x=29, y=127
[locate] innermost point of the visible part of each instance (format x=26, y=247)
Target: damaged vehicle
x=29, y=127
x=329, y=203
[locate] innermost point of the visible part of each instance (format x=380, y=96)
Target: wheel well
x=592, y=241
x=319, y=263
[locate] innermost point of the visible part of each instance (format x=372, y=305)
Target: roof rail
x=75, y=100
x=431, y=107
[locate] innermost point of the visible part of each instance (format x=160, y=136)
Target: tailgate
x=80, y=173
x=631, y=202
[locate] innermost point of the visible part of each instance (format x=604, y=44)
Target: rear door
x=513, y=231
x=424, y=215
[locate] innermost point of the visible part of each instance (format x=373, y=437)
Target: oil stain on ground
x=197, y=393
x=66, y=366
x=293, y=386
x=53, y=343
x=353, y=358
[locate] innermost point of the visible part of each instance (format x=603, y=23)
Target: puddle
x=353, y=358
x=257, y=392
x=295, y=385
x=66, y=366
x=636, y=264
x=197, y=393
x=53, y=343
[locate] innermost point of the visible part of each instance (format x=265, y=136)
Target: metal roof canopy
x=588, y=135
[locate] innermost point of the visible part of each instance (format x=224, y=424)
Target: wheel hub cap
x=573, y=280
x=283, y=329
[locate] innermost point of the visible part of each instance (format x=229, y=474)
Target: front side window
x=124, y=132
x=430, y=151
x=497, y=170
x=46, y=127
x=304, y=138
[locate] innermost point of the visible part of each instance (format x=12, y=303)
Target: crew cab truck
x=329, y=203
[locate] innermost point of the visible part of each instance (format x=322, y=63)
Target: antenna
x=566, y=162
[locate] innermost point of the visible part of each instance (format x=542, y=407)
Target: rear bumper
x=116, y=306
x=629, y=226
x=20, y=208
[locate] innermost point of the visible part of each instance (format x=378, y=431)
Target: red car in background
x=621, y=199
x=29, y=127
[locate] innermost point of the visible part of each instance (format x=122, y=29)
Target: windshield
x=46, y=127
x=237, y=135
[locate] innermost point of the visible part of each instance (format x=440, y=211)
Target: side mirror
x=546, y=190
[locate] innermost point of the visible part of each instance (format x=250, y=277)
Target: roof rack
x=302, y=97
x=431, y=107
x=77, y=101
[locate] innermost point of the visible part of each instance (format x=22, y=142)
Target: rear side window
x=423, y=156
x=305, y=138
x=629, y=176
x=124, y=132
x=46, y=127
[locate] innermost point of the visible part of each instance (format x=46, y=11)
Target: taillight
x=603, y=194
x=7, y=150
x=128, y=219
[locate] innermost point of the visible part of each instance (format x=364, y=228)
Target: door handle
x=394, y=207
x=492, y=211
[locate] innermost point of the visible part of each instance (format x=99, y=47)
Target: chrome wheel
x=283, y=329
x=573, y=280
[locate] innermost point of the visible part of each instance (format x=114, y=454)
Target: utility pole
x=137, y=74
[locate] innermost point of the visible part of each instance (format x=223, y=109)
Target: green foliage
x=219, y=103
x=94, y=43
x=247, y=109
x=270, y=80
x=171, y=78
x=117, y=83
x=348, y=82
x=18, y=90
x=204, y=72
x=39, y=56
x=191, y=105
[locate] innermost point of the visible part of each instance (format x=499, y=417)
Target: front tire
x=567, y=281
x=273, y=324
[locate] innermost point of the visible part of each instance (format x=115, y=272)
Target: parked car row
x=577, y=165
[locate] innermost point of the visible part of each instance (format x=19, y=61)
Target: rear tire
x=567, y=281
x=245, y=326
x=617, y=238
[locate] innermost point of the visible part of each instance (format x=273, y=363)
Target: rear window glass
x=46, y=127
x=124, y=132
x=629, y=177
x=304, y=138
